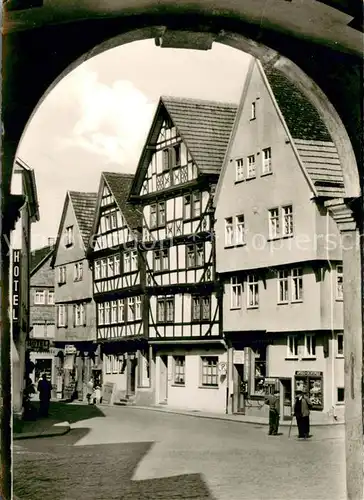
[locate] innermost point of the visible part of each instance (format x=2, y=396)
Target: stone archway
x=347, y=212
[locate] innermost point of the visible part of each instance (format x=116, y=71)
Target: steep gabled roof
x=204, y=126
x=84, y=205
x=310, y=135
x=39, y=256
x=119, y=185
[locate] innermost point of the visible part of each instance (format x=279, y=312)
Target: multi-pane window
x=69, y=236
x=187, y=207
x=283, y=277
x=161, y=260
x=121, y=309
x=133, y=260
x=239, y=229
x=79, y=316
x=310, y=345
x=62, y=315
x=253, y=110
x=251, y=166
x=114, y=312
x=62, y=274
x=236, y=293
x=339, y=282
x=209, y=371
x=78, y=271
x=267, y=161
x=195, y=255
x=157, y=214
x=201, y=308
x=97, y=269
x=116, y=265
x=239, y=169
x=101, y=314
x=39, y=297
x=179, y=369
x=134, y=308
x=165, y=309
x=107, y=313
x=196, y=204
x=229, y=232
x=103, y=268
x=292, y=346
x=340, y=344
x=297, y=285
x=273, y=223
x=287, y=223
x=50, y=297
x=253, y=290
x=127, y=262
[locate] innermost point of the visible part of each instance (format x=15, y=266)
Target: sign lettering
x=15, y=287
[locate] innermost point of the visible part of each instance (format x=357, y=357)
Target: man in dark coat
x=45, y=391
x=302, y=413
x=274, y=411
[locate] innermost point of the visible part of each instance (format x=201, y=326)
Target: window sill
x=239, y=181
x=282, y=303
x=339, y=356
x=338, y=299
x=265, y=174
x=251, y=177
x=283, y=237
x=252, y=307
x=178, y=385
x=300, y=301
x=208, y=387
x=291, y=358
x=308, y=358
x=236, y=308
x=340, y=403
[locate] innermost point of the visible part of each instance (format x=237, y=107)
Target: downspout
x=332, y=298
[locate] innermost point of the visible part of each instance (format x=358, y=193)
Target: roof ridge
x=82, y=192
x=121, y=174
x=198, y=101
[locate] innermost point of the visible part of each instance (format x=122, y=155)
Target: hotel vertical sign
x=15, y=302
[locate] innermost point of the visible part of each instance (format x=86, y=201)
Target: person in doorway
x=45, y=391
x=302, y=408
x=274, y=412
x=90, y=390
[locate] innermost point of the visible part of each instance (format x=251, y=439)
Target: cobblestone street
x=144, y=454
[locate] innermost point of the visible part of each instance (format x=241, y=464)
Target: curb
x=286, y=423
x=59, y=431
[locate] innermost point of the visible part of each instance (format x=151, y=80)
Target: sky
x=97, y=118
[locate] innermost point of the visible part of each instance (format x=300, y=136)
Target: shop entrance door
x=240, y=393
x=286, y=398
x=163, y=379
x=43, y=365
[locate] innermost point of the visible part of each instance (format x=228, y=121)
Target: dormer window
x=253, y=111
x=69, y=236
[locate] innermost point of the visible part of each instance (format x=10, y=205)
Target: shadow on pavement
x=54, y=469
x=58, y=412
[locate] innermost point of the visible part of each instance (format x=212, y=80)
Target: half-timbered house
x=174, y=185
x=118, y=290
x=75, y=332
x=279, y=251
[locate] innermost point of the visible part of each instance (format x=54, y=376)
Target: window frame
x=251, y=167
x=238, y=287
x=179, y=370
x=281, y=279
x=69, y=240
x=239, y=169
x=310, y=347
x=266, y=161
x=42, y=295
x=294, y=278
x=200, y=308
x=274, y=231
x=238, y=231
x=292, y=353
x=50, y=293
x=63, y=324
x=212, y=371
x=252, y=287
x=253, y=111
x=163, y=300
x=286, y=215
x=229, y=226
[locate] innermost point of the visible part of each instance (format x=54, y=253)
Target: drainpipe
x=332, y=298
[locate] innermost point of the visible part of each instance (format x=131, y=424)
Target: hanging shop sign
x=15, y=300
x=238, y=357
x=311, y=383
x=70, y=349
x=38, y=345
x=222, y=366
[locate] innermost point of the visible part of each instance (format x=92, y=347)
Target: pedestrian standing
x=302, y=413
x=45, y=391
x=90, y=390
x=274, y=412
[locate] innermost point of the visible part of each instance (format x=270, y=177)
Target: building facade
x=24, y=186
x=173, y=186
x=75, y=332
x=42, y=315
x=118, y=291
x=279, y=252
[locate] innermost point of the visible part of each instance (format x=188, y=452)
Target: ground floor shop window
x=209, y=371
x=259, y=358
x=311, y=383
x=179, y=369
x=143, y=369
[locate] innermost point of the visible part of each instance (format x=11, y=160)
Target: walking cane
x=290, y=427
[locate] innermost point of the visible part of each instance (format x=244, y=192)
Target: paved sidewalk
x=42, y=428
x=227, y=417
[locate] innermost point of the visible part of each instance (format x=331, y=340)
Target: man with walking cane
x=274, y=410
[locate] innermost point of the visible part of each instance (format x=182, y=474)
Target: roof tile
x=120, y=185
x=84, y=205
